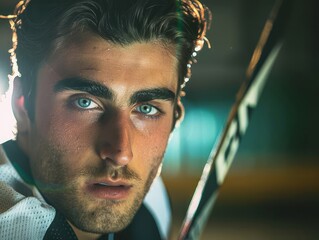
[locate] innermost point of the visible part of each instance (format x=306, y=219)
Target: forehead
x=88, y=55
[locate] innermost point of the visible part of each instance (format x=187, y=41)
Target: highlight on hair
x=199, y=12
x=43, y=24
x=20, y=7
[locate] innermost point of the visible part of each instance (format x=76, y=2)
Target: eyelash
x=73, y=102
x=154, y=116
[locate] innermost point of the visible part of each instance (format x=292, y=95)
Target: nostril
x=124, y=157
x=118, y=157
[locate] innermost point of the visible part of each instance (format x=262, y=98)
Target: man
x=98, y=97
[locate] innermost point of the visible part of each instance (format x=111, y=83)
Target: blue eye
x=147, y=109
x=85, y=103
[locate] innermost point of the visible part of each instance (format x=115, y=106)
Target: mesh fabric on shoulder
x=21, y=217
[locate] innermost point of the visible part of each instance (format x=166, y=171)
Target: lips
x=106, y=189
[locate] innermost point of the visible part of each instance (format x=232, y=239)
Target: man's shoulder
x=21, y=213
x=22, y=217
x=9, y=177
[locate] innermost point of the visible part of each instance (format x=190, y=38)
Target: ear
x=18, y=107
x=179, y=112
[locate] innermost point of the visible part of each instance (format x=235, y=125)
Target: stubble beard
x=63, y=193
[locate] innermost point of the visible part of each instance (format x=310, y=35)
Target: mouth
x=109, y=190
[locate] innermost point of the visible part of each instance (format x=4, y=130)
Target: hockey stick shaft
x=223, y=154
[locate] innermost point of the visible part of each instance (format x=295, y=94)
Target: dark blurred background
x=272, y=189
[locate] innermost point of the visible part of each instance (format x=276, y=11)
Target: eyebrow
x=84, y=85
x=96, y=89
x=152, y=94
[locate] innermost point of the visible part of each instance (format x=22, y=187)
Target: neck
x=81, y=235
x=21, y=140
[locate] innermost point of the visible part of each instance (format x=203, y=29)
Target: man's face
x=103, y=116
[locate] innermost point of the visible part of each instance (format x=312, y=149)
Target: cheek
x=62, y=130
x=64, y=149
x=151, y=146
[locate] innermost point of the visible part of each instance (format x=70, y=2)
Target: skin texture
x=85, y=134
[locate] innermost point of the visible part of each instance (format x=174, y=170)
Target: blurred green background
x=272, y=189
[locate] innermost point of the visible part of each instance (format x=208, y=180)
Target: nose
x=115, y=140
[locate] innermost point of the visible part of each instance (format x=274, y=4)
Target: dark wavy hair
x=44, y=24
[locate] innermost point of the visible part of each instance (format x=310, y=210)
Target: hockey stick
x=222, y=155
